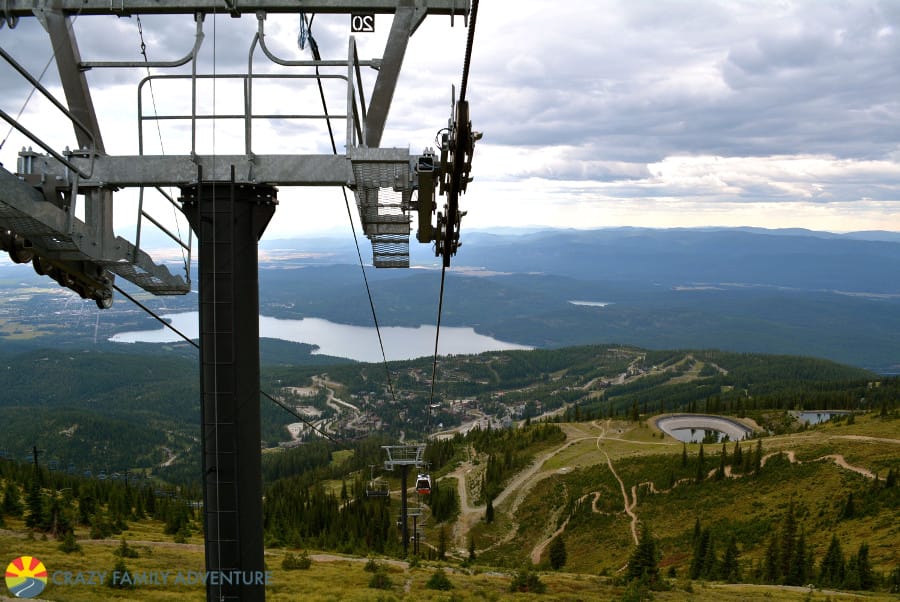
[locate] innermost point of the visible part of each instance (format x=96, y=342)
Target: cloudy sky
x=595, y=113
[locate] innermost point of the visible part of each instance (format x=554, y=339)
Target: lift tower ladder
x=228, y=200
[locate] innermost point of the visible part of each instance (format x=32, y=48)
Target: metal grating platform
x=54, y=232
x=383, y=189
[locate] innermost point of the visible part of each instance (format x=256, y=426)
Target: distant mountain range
x=793, y=291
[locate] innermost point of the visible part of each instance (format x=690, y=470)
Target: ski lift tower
x=404, y=457
x=228, y=200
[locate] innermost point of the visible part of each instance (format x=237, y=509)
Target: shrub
x=125, y=551
x=69, y=544
x=116, y=576
x=380, y=580
x=293, y=562
x=439, y=581
x=526, y=580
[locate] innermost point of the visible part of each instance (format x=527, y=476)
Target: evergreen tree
x=35, y=502
x=772, y=569
x=701, y=546
x=489, y=511
x=710, y=562
x=57, y=517
x=737, y=458
x=833, y=567
x=894, y=581
x=859, y=570
x=700, y=475
x=757, y=457
x=12, y=502
x=69, y=543
x=442, y=543
x=787, y=551
x=720, y=471
x=849, y=507
x=471, y=546
x=684, y=457
x=800, y=569
x=557, y=553
x=730, y=570
x=644, y=562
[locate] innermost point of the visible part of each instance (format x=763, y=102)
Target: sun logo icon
x=26, y=577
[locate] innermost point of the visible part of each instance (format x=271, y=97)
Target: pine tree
x=737, y=458
x=35, y=502
x=757, y=457
x=849, y=508
x=772, y=569
x=701, y=546
x=557, y=553
x=786, y=553
x=471, y=546
x=833, y=567
x=684, y=457
x=861, y=568
x=489, y=511
x=644, y=562
x=699, y=477
x=12, y=502
x=800, y=569
x=442, y=543
x=730, y=570
x=710, y=561
x=720, y=471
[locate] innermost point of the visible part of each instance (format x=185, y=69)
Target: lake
x=819, y=416
x=342, y=340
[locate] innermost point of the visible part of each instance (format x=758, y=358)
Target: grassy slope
x=334, y=578
x=598, y=543
x=750, y=507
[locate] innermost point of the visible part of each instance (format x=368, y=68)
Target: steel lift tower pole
x=228, y=201
x=229, y=220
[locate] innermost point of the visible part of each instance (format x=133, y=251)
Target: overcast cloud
x=595, y=113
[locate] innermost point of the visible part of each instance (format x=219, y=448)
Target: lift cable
x=162, y=148
x=468, y=58
x=314, y=48
x=462, y=97
x=278, y=402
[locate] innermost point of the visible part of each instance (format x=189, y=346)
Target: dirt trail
x=836, y=458
x=629, y=504
x=520, y=485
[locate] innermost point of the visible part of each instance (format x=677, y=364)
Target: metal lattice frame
x=404, y=455
x=383, y=190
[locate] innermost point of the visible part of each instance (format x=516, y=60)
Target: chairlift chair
x=378, y=488
x=423, y=484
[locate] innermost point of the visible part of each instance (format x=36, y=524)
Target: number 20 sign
x=362, y=22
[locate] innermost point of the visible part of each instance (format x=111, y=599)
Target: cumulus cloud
x=699, y=105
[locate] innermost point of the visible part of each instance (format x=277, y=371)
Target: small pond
x=818, y=416
x=695, y=428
